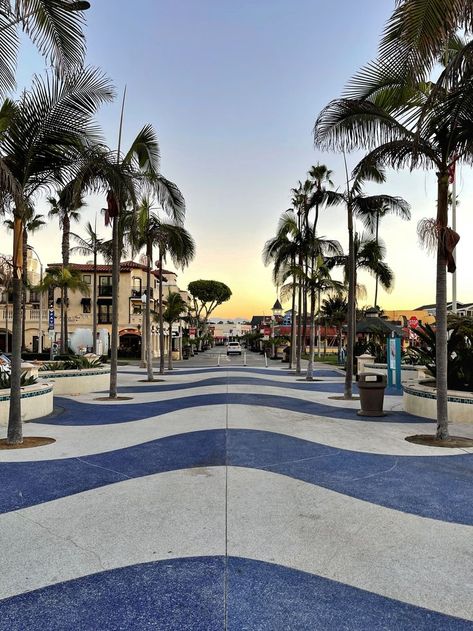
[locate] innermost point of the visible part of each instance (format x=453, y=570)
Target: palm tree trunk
x=299, y=330
x=149, y=350
x=66, y=229
x=115, y=297
x=310, y=365
x=24, y=286
x=348, y=390
x=6, y=324
x=63, y=345
x=318, y=327
x=15, y=430
x=94, y=306
x=170, y=347
x=161, y=320
x=441, y=311
x=377, y=276
x=292, y=357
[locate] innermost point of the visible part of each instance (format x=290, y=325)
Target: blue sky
x=233, y=89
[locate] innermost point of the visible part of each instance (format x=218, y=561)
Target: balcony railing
x=137, y=293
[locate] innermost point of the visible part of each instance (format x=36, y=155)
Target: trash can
x=371, y=387
x=185, y=352
x=286, y=354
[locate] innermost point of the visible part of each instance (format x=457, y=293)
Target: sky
x=233, y=89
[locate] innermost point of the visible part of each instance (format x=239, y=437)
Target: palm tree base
x=341, y=397
x=150, y=380
x=27, y=442
x=430, y=440
x=113, y=399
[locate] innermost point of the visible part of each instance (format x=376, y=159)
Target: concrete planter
x=36, y=401
x=409, y=374
x=77, y=381
x=420, y=399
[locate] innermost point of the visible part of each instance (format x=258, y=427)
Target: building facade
x=79, y=311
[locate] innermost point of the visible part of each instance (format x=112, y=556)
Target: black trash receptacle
x=371, y=387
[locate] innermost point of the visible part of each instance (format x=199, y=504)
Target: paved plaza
x=234, y=497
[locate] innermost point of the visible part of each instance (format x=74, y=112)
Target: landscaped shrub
x=5, y=380
x=459, y=351
x=75, y=362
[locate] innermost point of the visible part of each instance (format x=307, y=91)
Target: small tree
x=175, y=308
x=207, y=296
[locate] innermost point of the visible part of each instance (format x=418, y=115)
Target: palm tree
x=55, y=26
x=40, y=145
x=32, y=223
x=319, y=281
x=172, y=240
x=282, y=250
x=64, y=278
x=371, y=221
x=6, y=277
x=335, y=308
x=430, y=130
x=66, y=208
x=91, y=245
x=176, y=306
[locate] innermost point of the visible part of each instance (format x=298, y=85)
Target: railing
x=137, y=293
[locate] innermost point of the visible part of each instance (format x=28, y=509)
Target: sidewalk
x=234, y=498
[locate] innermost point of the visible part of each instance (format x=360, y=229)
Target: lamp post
x=40, y=322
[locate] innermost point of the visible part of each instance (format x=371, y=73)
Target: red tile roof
x=125, y=266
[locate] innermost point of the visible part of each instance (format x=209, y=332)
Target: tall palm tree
x=282, y=251
x=32, y=223
x=371, y=221
x=176, y=307
x=6, y=277
x=55, y=26
x=64, y=278
x=432, y=129
x=174, y=241
x=335, y=308
x=91, y=245
x=38, y=149
x=66, y=208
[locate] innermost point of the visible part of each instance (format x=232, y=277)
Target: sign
x=51, y=319
x=394, y=362
x=413, y=322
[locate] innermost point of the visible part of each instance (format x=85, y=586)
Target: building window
x=87, y=278
x=105, y=313
x=86, y=306
x=105, y=285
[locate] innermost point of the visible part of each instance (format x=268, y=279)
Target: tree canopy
x=207, y=295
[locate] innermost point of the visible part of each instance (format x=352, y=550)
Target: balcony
x=137, y=293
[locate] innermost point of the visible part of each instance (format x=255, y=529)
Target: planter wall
x=409, y=374
x=421, y=400
x=36, y=401
x=77, y=381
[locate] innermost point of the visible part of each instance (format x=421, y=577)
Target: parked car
x=233, y=348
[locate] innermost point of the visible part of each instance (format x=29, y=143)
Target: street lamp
x=40, y=322
x=276, y=310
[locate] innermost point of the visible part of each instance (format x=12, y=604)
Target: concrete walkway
x=236, y=498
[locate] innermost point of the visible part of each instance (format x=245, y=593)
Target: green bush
x=5, y=380
x=459, y=351
x=74, y=362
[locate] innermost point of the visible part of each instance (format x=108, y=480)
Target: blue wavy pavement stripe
x=189, y=595
x=309, y=386
x=280, y=372
x=438, y=487
x=79, y=413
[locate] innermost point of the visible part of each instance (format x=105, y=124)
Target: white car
x=233, y=347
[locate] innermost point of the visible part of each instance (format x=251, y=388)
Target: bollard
x=265, y=360
x=218, y=360
x=244, y=359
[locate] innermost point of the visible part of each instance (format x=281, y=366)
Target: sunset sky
x=233, y=89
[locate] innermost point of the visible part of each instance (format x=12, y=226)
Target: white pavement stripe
x=176, y=514
x=422, y=561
